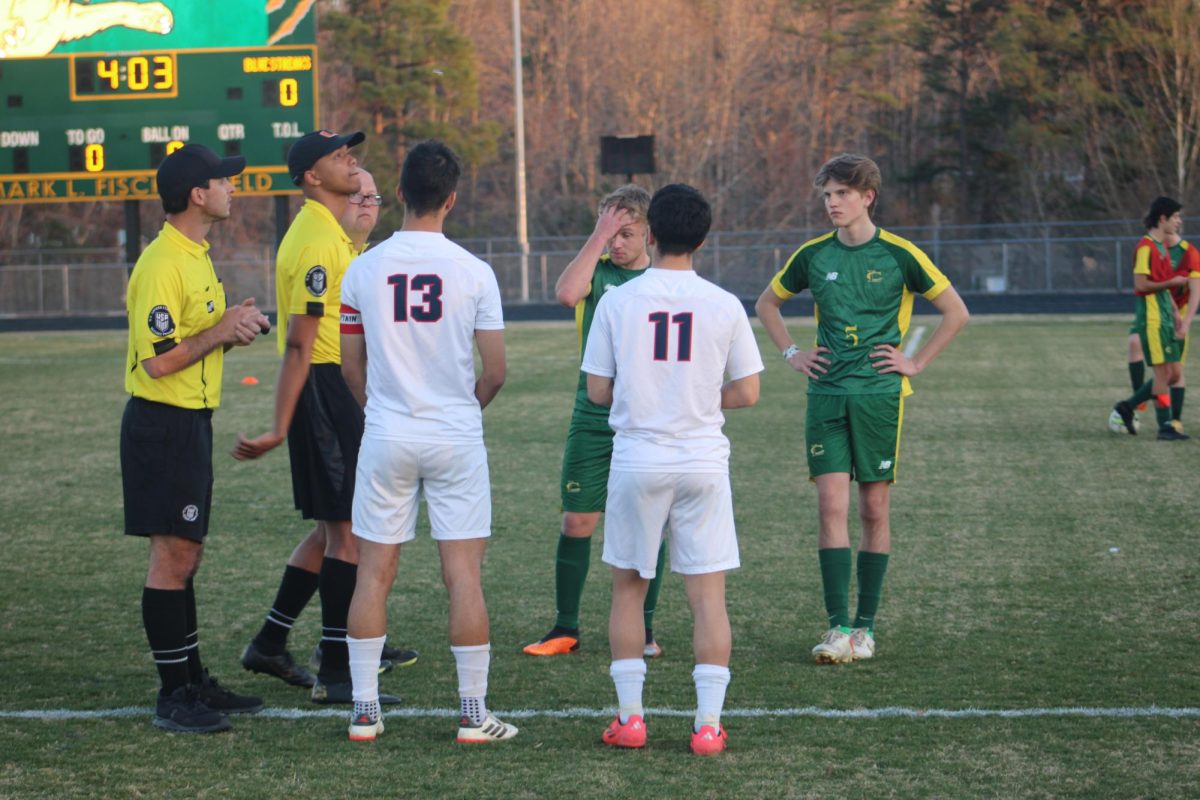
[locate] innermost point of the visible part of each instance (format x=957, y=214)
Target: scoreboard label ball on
x=91, y=119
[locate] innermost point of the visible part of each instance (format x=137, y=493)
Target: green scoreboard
x=92, y=125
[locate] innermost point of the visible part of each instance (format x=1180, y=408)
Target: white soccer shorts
x=393, y=476
x=697, y=506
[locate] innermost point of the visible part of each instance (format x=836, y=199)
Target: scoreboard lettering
x=95, y=126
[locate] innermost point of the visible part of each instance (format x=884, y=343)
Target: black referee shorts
x=166, y=469
x=323, y=445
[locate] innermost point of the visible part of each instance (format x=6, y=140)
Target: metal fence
x=997, y=259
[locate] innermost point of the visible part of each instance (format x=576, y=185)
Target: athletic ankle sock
x=654, y=587
x=1137, y=373
x=295, y=590
x=710, y=680
x=1162, y=410
x=835, y=579
x=472, y=662
x=570, y=573
x=871, y=569
x=164, y=615
x=192, y=638
x=1144, y=393
x=1177, y=401
x=336, y=585
x=364, y=668
x=368, y=707
x=628, y=676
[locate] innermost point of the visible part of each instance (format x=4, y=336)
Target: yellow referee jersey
x=173, y=294
x=309, y=268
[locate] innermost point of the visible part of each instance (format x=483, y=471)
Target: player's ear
x=702, y=243
x=450, y=201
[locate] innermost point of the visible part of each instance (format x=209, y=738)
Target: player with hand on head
x=318, y=416
x=179, y=330
x=863, y=280
x=613, y=254
x=658, y=353
x=414, y=310
x=1157, y=319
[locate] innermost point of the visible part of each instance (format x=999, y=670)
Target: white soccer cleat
x=492, y=730
x=365, y=729
x=862, y=644
x=835, y=648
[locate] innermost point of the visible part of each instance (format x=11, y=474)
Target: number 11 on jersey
x=661, y=321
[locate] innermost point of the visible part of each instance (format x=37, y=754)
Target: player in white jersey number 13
x=420, y=305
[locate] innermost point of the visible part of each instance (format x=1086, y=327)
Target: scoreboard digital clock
x=95, y=126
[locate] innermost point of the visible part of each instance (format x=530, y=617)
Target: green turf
x=1002, y=594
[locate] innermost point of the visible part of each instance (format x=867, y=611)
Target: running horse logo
x=32, y=28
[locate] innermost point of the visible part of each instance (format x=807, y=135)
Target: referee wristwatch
x=791, y=351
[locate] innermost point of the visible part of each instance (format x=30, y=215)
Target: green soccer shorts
x=1159, y=345
x=586, y=458
x=858, y=434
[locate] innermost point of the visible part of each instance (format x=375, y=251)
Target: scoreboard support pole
x=133, y=233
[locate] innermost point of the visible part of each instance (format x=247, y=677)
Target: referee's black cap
x=312, y=147
x=194, y=165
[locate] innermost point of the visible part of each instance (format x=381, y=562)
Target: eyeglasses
x=366, y=200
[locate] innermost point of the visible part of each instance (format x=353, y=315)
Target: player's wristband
x=791, y=351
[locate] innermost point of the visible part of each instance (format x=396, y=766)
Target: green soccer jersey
x=863, y=297
x=607, y=276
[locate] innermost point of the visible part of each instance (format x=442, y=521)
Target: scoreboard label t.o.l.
x=82, y=123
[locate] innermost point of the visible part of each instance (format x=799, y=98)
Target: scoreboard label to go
x=96, y=126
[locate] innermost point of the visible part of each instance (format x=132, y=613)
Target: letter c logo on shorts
x=817, y=450
x=190, y=513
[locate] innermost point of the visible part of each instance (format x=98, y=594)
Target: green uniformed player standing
x=179, y=329
x=863, y=280
x=621, y=230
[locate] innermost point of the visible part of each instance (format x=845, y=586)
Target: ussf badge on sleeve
x=314, y=281
x=160, y=321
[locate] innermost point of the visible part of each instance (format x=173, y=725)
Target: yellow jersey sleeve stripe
x=1141, y=261
x=935, y=275
x=777, y=281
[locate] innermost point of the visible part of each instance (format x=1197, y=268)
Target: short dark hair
x=178, y=203
x=679, y=218
x=1161, y=207
x=428, y=177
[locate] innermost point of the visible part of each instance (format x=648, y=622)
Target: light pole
x=519, y=124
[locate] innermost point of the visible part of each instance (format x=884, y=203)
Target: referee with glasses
x=319, y=418
x=179, y=330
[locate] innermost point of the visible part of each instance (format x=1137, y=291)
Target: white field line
x=889, y=712
x=914, y=341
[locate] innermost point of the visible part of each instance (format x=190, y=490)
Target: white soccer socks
x=364, y=669
x=473, y=662
x=628, y=675
x=711, y=681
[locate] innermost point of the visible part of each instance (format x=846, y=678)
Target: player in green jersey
x=863, y=280
x=613, y=254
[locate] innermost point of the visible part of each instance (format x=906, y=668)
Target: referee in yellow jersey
x=179, y=330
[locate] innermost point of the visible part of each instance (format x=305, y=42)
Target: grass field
x=1002, y=596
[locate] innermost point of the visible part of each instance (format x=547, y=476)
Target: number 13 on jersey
x=430, y=287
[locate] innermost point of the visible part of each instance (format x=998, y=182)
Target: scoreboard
x=96, y=126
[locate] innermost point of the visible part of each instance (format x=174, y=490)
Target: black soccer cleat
x=1125, y=411
x=342, y=691
x=282, y=666
x=1171, y=435
x=182, y=711
x=218, y=698
x=386, y=662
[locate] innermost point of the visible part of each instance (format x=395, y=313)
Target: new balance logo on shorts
x=885, y=464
